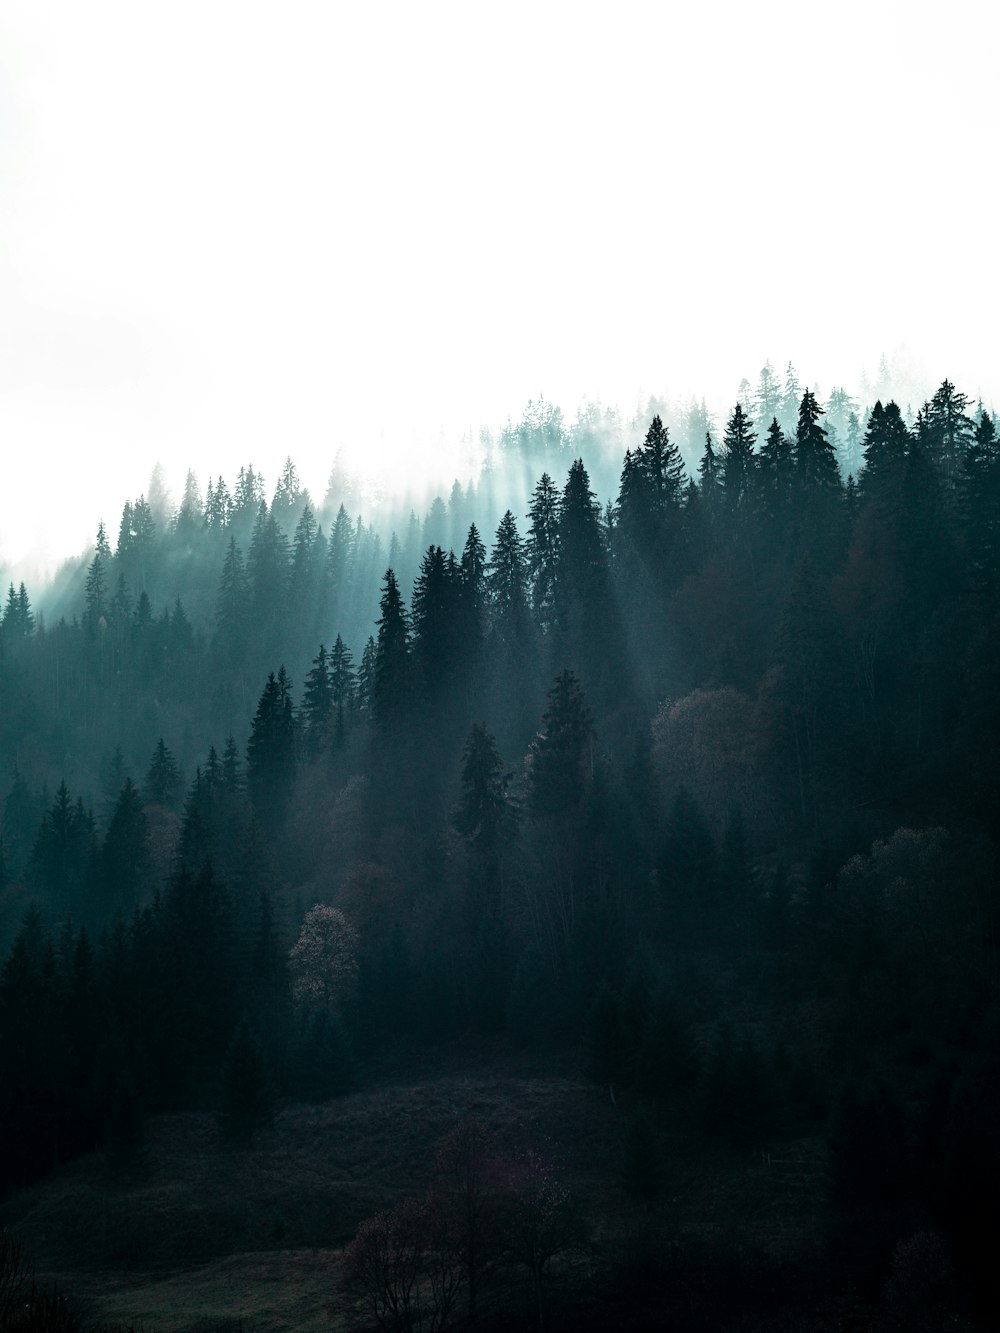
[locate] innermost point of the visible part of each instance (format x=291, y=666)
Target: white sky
x=232, y=231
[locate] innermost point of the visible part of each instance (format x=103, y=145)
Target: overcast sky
x=233, y=231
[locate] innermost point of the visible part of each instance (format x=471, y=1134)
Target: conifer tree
x=948, y=430
x=484, y=814
x=559, y=756
x=768, y=398
x=436, y=618
x=886, y=447
x=980, y=506
x=125, y=859
x=232, y=615
x=366, y=676
x=507, y=581
x=163, y=778
x=815, y=462
x=391, y=675
x=343, y=679
x=542, y=548
x=271, y=754
x=738, y=463
x=317, y=703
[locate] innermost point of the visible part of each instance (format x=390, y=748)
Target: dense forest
x=680, y=765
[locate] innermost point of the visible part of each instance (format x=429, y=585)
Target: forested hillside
x=685, y=763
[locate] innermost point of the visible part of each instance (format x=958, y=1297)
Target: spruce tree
x=738, y=463
x=559, y=756
x=542, y=548
x=271, y=754
x=163, y=778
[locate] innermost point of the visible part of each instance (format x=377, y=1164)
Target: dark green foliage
x=324, y=1064
x=738, y=463
x=391, y=681
x=246, y=1103
x=560, y=755
x=271, y=754
x=163, y=778
x=125, y=861
x=484, y=814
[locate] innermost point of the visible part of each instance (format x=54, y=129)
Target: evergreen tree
x=232, y=616
x=948, y=430
x=775, y=472
x=542, y=548
x=790, y=400
x=886, y=448
x=163, y=778
x=366, y=676
x=268, y=566
x=980, y=504
x=436, y=622
x=271, y=754
x=768, y=400
x=484, y=814
x=343, y=679
x=507, y=582
x=560, y=754
x=390, y=684
x=317, y=703
x=815, y=462
x=738, y=463
x=125, y=859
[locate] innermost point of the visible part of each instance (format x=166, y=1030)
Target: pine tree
x=366, y=676
x=232, y=617
x=507, y=581
x=559, y=756
x=542, y=548
x=317, y=703
x=391, y=675
x=768, y=398
x=582, y=564
x=125, y=859
x=163, y=778
x=948, y=430
x=474, y=574
x=271, y=754
x=738, y=463
x=436, y=620
x=189, y=516
x=484, y=814
x=343, y=679
x=790, y=400
x=287, y=493
x=980, y=506
x=268, y=566
x=815, y=462
x=886, y=447
x=95, y=588
x=775, y=477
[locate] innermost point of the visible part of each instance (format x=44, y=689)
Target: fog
x=227, y=239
